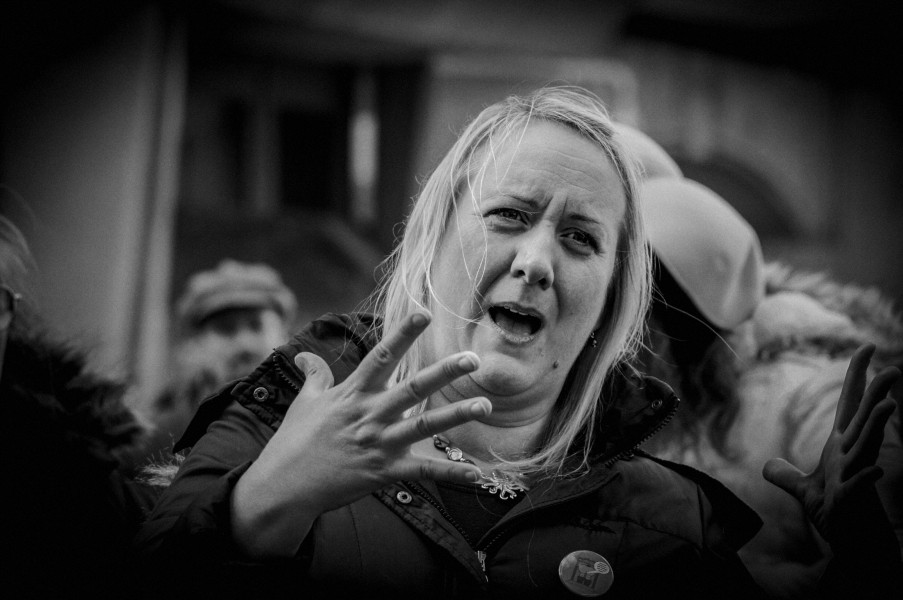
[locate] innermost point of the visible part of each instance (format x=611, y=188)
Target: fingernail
x=478, y=409
x=419, y=320
x=467, y=362
x=474, y=477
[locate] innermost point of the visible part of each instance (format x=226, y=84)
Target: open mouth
x=514, y=321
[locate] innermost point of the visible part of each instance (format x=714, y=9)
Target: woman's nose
x=533, y=259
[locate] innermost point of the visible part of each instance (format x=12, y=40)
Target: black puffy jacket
x=663, y=528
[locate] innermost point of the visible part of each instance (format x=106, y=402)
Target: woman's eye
x=581, y=239
x=508, y=214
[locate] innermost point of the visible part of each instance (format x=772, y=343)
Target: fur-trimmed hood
x=70, y=507
x=810, y=311
x=50, y=396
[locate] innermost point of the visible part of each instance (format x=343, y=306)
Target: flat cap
x=234, y=285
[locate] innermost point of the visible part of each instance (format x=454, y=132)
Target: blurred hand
x=339, y=443
x=840, y=492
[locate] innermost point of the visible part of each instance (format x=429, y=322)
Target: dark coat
x=69, y=509
x=664, y=529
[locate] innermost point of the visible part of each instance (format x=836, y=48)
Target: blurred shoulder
x=681, y=501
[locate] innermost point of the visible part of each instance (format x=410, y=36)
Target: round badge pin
x=586, y=573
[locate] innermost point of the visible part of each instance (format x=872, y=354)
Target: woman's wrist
x=262, y=525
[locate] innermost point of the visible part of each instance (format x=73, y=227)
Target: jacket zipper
x=481, y=556
x=282, y=374
x=630, y=451
x=438, y=506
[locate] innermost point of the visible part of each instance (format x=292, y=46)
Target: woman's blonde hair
x=407, y=284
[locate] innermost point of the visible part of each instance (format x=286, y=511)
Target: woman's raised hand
x=339, y=443
x=839, y=495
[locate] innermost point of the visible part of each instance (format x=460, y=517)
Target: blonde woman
x=476, y=435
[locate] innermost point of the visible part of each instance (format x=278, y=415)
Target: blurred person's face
x=234, y=341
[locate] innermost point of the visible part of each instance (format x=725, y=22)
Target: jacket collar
x=636, y=408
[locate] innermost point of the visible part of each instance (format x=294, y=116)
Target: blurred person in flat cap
x=228, y=320
x=757, y=353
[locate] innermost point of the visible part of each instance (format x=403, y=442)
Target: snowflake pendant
x=502, y=485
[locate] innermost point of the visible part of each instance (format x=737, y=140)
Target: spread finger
x=377, y=366
x=428, y=381
x=853, y=386
x=433, y=421
x=421, y=468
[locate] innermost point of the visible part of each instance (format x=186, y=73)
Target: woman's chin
x=504, y=376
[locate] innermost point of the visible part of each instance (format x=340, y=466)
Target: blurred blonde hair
x=407, y=284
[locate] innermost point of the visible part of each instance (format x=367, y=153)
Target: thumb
x=318, y=376
x=781, y=473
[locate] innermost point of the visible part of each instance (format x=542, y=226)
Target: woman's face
x=546, y=216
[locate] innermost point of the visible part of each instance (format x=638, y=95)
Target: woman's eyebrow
x=530, y=203
x=584, y=218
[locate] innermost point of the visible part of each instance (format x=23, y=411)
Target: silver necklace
x=497, y=483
